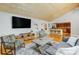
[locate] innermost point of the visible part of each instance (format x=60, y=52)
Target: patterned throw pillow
x=6, y=38
x=77, y=43
x=0, y=40
x=72, y=40
x=6, y=41
x=42, y=33
x=19, y=42
x=12, y=38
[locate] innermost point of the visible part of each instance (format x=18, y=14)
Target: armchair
x=10, y=44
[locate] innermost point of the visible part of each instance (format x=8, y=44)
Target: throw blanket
x=68, y=51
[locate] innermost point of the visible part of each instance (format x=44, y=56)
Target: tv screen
x=18, y=22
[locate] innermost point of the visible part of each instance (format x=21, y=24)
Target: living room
x=46, y=32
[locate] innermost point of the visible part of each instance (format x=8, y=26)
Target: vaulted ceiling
x=44, y=11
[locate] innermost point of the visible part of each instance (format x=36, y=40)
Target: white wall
x=73, y=17
x=6, y=24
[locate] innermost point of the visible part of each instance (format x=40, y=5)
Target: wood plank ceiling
x=44, y=11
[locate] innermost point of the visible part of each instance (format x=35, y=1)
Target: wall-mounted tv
x=18, y=22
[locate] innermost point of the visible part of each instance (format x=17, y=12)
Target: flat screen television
x=18, y=22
